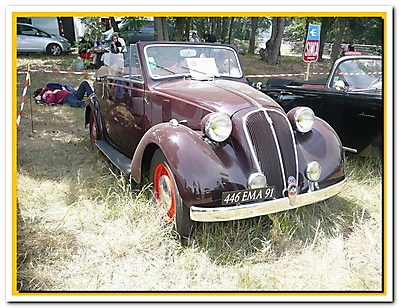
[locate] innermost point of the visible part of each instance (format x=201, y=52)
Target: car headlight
x=313, y=171
x=302, y=118
x=217, y=126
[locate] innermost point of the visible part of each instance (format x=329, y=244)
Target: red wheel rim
x=164, y=192
x=93, y=131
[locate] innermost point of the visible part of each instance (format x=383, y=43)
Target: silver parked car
x=32, y=39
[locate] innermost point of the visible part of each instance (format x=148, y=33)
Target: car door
x=121, y=97
x=362, y=119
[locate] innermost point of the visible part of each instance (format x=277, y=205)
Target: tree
x=165, y=32
x=274, y=44
x=230, y=29
x=326, y=23
x=114, y=24
x=93, y=26
x=158, y=28
x=254, y=27
x=341, y=24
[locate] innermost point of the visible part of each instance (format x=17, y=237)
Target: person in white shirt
x=194, y=37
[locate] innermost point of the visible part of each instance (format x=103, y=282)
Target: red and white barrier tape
x=249, y=76
x=303, y=74
x=59, y=72
x=23, y=97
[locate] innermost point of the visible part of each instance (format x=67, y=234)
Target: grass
x=82, y=226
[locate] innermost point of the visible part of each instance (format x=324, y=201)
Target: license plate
x=247, y=195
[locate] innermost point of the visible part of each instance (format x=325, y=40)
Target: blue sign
x=314, y=33
x=312, y=45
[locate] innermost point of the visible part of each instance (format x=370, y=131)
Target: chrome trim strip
x=263, y=208
x=251, y=146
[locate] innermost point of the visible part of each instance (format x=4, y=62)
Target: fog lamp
x=313, y=171
x=257, y=180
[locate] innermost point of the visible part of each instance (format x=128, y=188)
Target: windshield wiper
x=164, y=68
x=206, y=75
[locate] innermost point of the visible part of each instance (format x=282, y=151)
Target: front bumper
x=263, y=208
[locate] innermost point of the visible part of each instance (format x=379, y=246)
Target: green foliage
x=295, y=29
x=93, y=26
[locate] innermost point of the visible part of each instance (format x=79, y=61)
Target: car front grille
x=270, y=135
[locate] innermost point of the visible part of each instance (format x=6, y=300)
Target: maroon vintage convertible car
x=215, y=148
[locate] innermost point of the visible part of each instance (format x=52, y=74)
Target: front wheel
x=168, y=198
x=54, y=50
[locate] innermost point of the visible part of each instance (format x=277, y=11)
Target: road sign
x=312, y=45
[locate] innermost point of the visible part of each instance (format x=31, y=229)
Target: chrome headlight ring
x=302, y=118
x=217, y=126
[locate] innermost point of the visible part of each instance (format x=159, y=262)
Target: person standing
x=194, y=37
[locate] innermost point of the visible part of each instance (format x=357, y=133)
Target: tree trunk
x=230, y=30
x=326, y=23
x=188, y=27
x=165, y=29
x=254, y=27
x=336, y=48
x=274, y=44
x=158, y=28
x=180, y=23
x=114, y=24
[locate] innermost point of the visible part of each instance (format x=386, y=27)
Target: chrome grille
x=270, y=135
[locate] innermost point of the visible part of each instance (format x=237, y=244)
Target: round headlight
x=313, y=171
x=217, y=126
x=304, y=119
x=257, y=180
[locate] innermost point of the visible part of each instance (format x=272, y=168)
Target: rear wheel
x=168, y=198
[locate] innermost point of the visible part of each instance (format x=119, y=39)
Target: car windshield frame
x=196, y=61
x=360, y=74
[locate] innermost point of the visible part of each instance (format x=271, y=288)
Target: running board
x=121, y=161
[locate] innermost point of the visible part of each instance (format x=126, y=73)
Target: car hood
x=217, y=95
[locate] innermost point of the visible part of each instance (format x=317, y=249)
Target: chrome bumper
x=263, y=208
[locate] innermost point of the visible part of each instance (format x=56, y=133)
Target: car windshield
x=192, y=60
x=361, y=74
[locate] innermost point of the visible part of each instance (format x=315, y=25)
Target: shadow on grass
x=267, y=238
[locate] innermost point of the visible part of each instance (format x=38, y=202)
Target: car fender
x=198, y=166
x=323, y=145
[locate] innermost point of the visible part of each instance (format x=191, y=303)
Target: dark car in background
x=31, y=39
x=182, y=115
x=132, y=34
x=349, y=99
